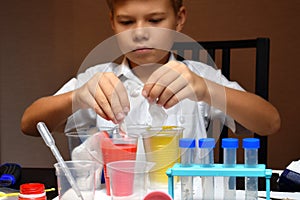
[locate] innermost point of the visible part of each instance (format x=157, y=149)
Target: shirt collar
x=124, y=70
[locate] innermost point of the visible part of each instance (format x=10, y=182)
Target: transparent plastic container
x=251, y=146
x=206, y=147
x=187, y=148
x=230, y=146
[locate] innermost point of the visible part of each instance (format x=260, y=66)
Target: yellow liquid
x=163, y=150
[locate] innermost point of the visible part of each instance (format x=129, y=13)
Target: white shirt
x=195, y=117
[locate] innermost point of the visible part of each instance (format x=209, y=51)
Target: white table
x=101, y=194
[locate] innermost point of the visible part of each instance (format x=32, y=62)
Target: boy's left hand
x=172, y=83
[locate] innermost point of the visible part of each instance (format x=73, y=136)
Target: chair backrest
x=262, y=47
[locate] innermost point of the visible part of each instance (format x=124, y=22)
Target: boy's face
x=144, y=29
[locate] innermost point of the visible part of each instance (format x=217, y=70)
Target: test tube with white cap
x=187, y=146
x=229, y=146
x=206, y=147
x=251, y=146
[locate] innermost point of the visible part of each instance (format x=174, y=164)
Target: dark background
x=43, y=43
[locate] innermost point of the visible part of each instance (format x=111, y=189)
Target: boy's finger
x=116, y=95
x=103, y=105
x=162, y=84
x=101, y=113
x=153, y=79
x=171, y=90
x=180, y=95
x=123, y=97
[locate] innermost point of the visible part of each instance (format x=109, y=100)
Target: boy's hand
x=172, y=83
x=106, y=94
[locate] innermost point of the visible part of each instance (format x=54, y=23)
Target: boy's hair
x=176, y=4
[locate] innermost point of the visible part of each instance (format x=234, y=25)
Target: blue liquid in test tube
x=229, y=146
x=187, y=146
x=251, y=146
x=206, y=147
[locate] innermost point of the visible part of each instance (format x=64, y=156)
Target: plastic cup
x=76, y=138
x=128, y=179
x=84, y=174
x=116, y=149
x=85, y=145
x=162, y=147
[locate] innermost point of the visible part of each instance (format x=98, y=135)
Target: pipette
x=46, y=135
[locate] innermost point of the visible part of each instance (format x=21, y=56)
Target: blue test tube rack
x=240, y=170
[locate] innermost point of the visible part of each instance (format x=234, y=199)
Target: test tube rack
x=240, y=170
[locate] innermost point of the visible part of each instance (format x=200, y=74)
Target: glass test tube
x=206, y=146
x=229, y=146
x=187, y=146
x=251, y=146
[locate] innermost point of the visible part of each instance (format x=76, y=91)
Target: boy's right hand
x=104, y=93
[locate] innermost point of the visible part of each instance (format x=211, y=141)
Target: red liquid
x=121, y=178
x=115, y=152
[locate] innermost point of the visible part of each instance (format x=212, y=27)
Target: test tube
x=229, y=146
x=187, y=146
x=206, y=147
x=251, y=146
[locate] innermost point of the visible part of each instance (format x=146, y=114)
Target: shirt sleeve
x=84, y=118
x=69, y=86
x=83, y=77
x=215, y=75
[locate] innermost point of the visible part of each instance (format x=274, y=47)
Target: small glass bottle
x=206, y=147
x=187, y=147
x=229, y=146
x=32, y=191
x=251, y=146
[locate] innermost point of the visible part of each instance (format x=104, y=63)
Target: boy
x=106, y=95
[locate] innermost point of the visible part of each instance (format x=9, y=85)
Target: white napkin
x=158, y=115
x=89, y=149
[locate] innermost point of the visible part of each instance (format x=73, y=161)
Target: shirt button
x=135, y=93
x=182, y=119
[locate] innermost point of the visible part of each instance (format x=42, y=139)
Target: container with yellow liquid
x=161, y=146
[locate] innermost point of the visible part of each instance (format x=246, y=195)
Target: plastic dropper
x=46, y=135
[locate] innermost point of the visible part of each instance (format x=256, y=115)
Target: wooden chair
x=262, y=47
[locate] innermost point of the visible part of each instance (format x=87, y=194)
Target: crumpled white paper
x=158, y=115
x=90, y=150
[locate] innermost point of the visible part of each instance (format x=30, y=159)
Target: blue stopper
x=231, y=143
x=7, y=179
x=251, y=143
x=187, y=143
x=207, y=143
